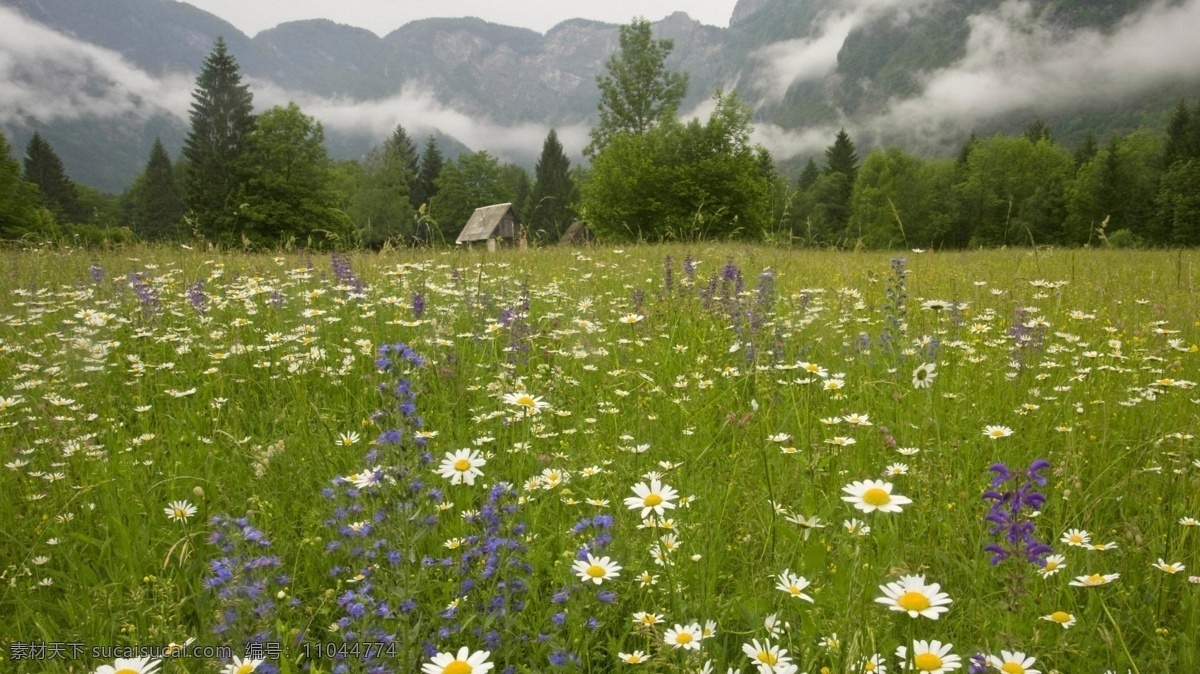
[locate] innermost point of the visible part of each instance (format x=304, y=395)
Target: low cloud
x=785, y=64
x=1016, y=63
x=50, y=76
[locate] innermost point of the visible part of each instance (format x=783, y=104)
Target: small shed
x=492, y=223
x=577, y=234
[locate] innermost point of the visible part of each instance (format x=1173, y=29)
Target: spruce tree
x=18, y=197
x=808, y=177
x=1180, y=137
x=1086, y=151
x=425, y=188
x=400, y=146
x=842, y=156
x=381, y=206
x=44, y=169
x=158, y=206
x=1038, y=131
x=554, y=192
x=217, y=145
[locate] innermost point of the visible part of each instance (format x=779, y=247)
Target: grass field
x=214, y=446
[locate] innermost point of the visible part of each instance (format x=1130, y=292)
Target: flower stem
x=1120, y=637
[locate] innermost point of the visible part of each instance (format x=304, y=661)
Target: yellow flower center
x=652, y=500
x=1075, y=538
x=868, y=666
x=1060, y=617
x=127, y=670
x=997, y=433
x=596, y=571
x=794, y=590
x=1012, y=668
x=649, y=620
x=876, y=497
x=767, y=658
x=180, y=513
x=457, y=667
x=1051, y=565
x=246, y=668
x=683, y=638
x=913, y=601
x=1096, y=579
x=928, y=662
x=526, y=401
x=633, y=659
x=462, y=465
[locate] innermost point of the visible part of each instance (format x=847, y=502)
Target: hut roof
x=484, y=223
x=578, y=232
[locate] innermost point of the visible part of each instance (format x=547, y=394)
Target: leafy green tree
x=887, y=193
x=832, y=191
x=381, y=208
x=216, y=148
x=554, y=192
x=425, y=187
x=1119, y=184
x=288, y=194
x=44, y=169
x=1003, y=174
x=636, y=90
x=157, y=205
x=681, y=181
x=467, y=183
x=516, y=179
x=19, y=212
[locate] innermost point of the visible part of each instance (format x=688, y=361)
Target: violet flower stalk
x=1012, y=512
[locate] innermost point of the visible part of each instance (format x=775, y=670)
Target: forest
x=266, y=180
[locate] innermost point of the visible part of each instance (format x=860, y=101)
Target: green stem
x=1120, y=637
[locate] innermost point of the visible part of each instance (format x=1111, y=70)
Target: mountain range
x=101, y=80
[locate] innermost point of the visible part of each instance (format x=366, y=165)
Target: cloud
x=49, y=76
x=1014, y=62
x=785, y=64
x=421, y=113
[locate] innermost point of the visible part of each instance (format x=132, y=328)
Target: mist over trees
x=267, y=181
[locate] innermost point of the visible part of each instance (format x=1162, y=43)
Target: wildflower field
x=653, y=459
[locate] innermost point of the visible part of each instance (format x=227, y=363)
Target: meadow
x=702, y=458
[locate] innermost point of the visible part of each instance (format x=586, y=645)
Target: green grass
x=123, y=573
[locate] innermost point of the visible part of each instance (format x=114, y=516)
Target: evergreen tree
x=18, y=197
x=1038, y=131
x=554, y=192
x=1182, y=137
x=425, y=187
x=217, y=145
x=44, y=169
x=157, y=204
x=842, y=156
x=381, y=207
x=1087, y=150
x=636, y=90
x=808, y=177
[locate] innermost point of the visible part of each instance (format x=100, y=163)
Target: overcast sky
x=384, y=16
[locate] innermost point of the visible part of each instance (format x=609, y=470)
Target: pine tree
x=44, y=169
x=381, y=207
x=18, y=198
x=158, y=206
x=425, y=187
x=636, y=90
x=217, y=145
x=554, y=192
x=1038, y=131
x=400, y=145
x=1180, y=137
x=808, y=177
x=842, y=156
x=1086, y=151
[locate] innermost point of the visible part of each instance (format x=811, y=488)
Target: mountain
x=922, y=73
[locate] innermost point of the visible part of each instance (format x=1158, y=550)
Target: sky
x=384, y=16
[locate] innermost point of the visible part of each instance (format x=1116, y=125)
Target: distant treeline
x=266, y=180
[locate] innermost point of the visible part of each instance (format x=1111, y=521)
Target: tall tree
x=288, y=194
x=425, y=187
x=381, y=207
x=217, y=145
x=808, y=177
x=157, y=204
x=833, y=190
x=1183, y=136
x=471, y=181
x=636, y=90
x=18, y=197
x=44, y=169
x=842, y=156
x=1086, y=151
x=1038, y=130
x=554, y=191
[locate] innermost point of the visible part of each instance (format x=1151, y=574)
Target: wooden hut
x=577, y=234
x=496, y=223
